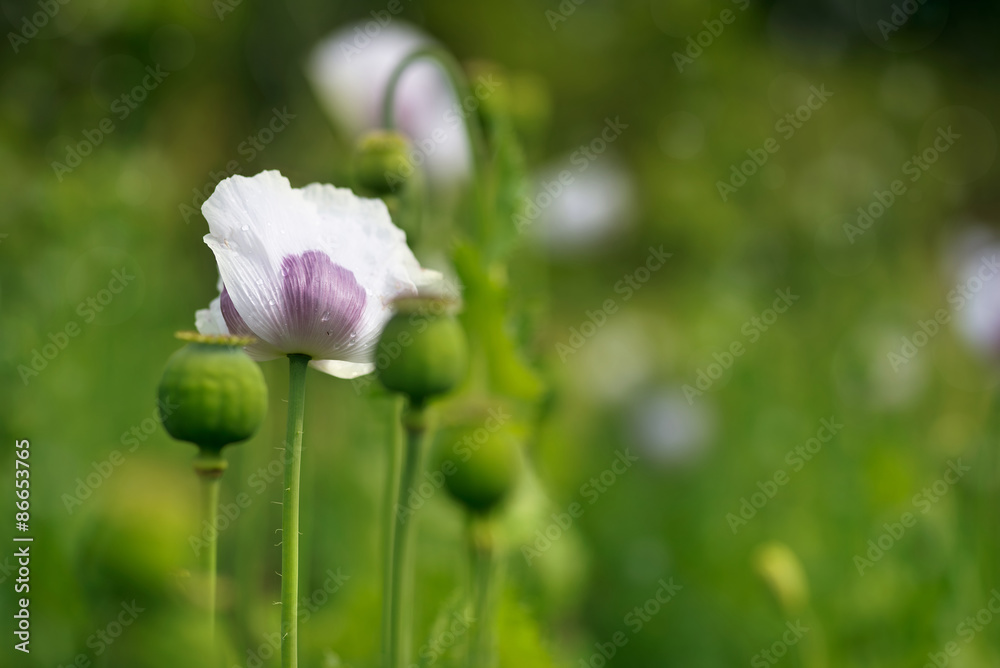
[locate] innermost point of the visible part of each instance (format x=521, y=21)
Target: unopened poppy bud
x=212, y=394
x=481, y=467
x=423, y=351
x=381, y=163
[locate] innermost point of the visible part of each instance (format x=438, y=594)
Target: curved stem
x=474, y=133
x=401, y=589
x=290, y=511
x=481, y=560
x=456, y=77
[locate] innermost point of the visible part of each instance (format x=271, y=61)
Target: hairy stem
x=290, y=511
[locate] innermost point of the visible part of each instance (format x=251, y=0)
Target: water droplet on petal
x=326, y=317
x=271, y=302
x=245, y=228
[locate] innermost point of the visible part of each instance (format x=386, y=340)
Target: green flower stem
x=290, y=511
x=392, y=488
x=209, y=466
x=481, y=560
x=477, y=142
x=401, y=578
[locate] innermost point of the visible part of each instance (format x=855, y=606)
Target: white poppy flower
x=309, y=270
x=350, y=70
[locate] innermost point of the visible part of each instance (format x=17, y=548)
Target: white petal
x=346, y=370
x=209, y=320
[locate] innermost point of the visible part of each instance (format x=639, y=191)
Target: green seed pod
x=381, y=163
x=211, y=393
x=422, y=352
x=480, y=467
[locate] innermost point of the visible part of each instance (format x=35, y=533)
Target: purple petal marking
x=234, y=321
x=322, y=300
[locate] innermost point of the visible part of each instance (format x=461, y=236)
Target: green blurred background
x=666, y=519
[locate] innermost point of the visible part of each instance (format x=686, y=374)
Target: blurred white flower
x=669, y=430
x=978, y=319
x=585, y=210
x=349, y=71
x=309, y=270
